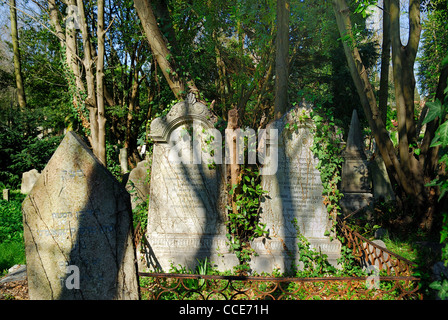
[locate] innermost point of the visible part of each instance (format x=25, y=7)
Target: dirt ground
x=15, y=290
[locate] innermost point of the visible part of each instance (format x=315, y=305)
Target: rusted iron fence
x=369, y=253
x=397, y=284
x=162, y=286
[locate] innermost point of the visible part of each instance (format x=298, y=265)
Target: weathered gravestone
x=294, y=202
x=138, y=184
x=29, y=178
x=6, y=194
x=356, y=182
x=186, y=205
x=77, y=230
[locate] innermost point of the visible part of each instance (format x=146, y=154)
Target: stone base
x=271, y=254
x=351, y=202
x=283, y=254
x=167, y=251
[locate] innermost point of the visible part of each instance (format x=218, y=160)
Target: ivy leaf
x=434, y=111
x=442, y=132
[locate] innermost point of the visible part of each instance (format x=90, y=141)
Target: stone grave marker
x=29, y=178
x=138, y=184
x=187, y=203
x=6, y=194
x=294, y=200
x=77, y=229
x=356, y=182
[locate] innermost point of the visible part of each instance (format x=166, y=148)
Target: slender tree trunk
x=159, y=47
x=281, y=60
x=385, y=62
x=90, y=77
x=15, y=47
x=100, y=86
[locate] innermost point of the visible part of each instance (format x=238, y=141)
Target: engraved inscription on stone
x=186, y=212
x=294, y=201
x=77, y=217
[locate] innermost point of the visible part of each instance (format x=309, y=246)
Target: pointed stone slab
x=354, y=148
x=77, y=230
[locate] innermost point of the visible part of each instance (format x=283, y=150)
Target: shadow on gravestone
x=356, y=182
x=295, y=194
x=78, y=230
x=185, y=216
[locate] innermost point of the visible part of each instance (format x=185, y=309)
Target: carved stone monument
x=356, y=182
x=186, y=207
x=77, y=230
x=294, y=202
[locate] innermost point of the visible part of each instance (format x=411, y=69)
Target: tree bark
x=159, y=47
x=100, y=86
x=16, y=56
x=365, y=91
x=385, y=62
x=90, y=77
x=406, y=169
x=281, y=59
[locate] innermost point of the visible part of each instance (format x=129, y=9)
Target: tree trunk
x=406, y=171
x=365, y=91
x=159, y=48
x=15, y=47
x=100, y=86
x=90, y=77
x=385, y=62
x=281, y=59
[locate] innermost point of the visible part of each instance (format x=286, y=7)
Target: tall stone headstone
x=186, y=207
x=78, y=229
x=356, y=182
x=294, y=202
x=29, y=178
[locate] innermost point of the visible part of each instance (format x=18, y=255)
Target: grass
x=402, y=247
x=12, y=248
x=11, y=253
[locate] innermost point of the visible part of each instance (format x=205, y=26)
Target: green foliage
x=364, y=7
x=434, y=46
x=314, y=263
x=11, y=228
x=327, y=148
x=441, y=287
x=439, y=110
x=12, y=249
x=11, y=253
x=244, y=225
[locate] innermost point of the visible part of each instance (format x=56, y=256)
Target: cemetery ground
x=419, y=248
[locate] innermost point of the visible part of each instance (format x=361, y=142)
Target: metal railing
x=369, y=253
x=398, y=284
x=163, y=286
